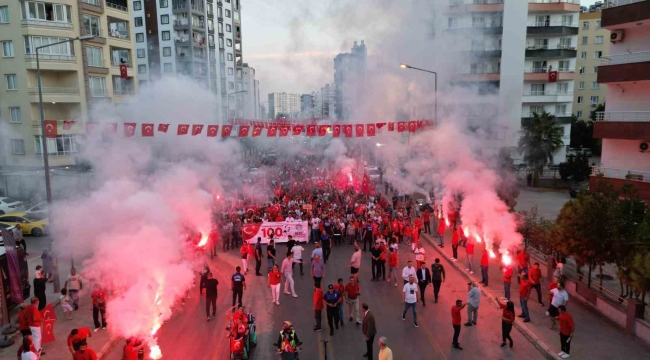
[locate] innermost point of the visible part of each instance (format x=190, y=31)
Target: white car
x=9, y=205
x=38, y=209
x=18, y=235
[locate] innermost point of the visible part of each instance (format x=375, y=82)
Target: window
x=167, y=51
x=227, y=13
x=97, y=86
x=236, y=16
x=166, y=35
x=164, y=19
x=63, y=49
x=229, y=57
x=138, y=21
x=597, y=24
x=12, y=82
x=141, y=53
x=595, y=85
x=230, y=71
x=120, y=55
x=16, y=116
x=598, y=40
x=594, y=100
x=585, y=25
x=142, y=69
x=537, y=89
x=585, y=40
x=91, y=25
x=563, y=88
x=221, y=57
x=581, y=70
x=579, y=114
x=229, y=42
x=167, y=67
x=231, y=85
x=579, y=99
x=560, y=110
x=564, y=65
x=18, y=146
x=565, y=43
x=452, y=23
x=228, y=28
x=4, y=14
x=95, y=56
x=8, y=48
x=581, y=85
x=137, y=5
x=583, y=55
x=139, y=37
x=122, y=86
x=163, y=3
x=598, y=54
x=220, y=42
x=61, y=146
x=211, y=25
x=595, y=69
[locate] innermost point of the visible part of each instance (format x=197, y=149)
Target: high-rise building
x=624, y=126
x=285, y=104
x=308, y=105
x=252, y=96
x=76, y=75
x=593, y=43
x=328, y=102
x=201, y=39
x=349, y=79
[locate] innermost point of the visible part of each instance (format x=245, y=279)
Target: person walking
x=326, y=244
x=367, y=235
x=381, y=263
x=567, y=327
x=408, y=271
x=369, y=330
x=507, y=319
x=332, y=299
x=290, y=243
x=456, y=320
x=535, y=279
x=211, y=295
x=473, y=301
x=507, y=280
x=393, y=262
x=485, y=262
x=441, y=232
x=426, y=217
x=238, y=285
x=469, y=251
x=317, y=270
x=340, y=287
x=375, y=253
x=524, y=293
x=275, y=278
x=318, y=307
x=270, y=253
x=352, y=293
x=410, y=299
x=204, y=276
x=98, y=296
x=34, y=321
x=350, y=231
x=74, y=284
x=243, y=251
x=258, y=256
x=39, y=287
x=296, y=253
x=438, y=276
x=560, y=297
x=419, y=255
x=385, y=353
x=355, y=262
x=287, y=271
x=424, y=280
x=523, y=261
x=318, y=251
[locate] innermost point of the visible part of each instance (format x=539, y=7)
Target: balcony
x=625, y=13
x=46, y=23
x=640, y=179
x=495, y=27
x=546, y=96
x=562, y=118
x=92, y=5
x=485, y=52
x=553, y=5
x=123, y=92
x=181, y=24
x=118, y=29
x=552, y=28
x=541, y=74
x=52, y=62
x=623, y=125
x=475, y=5
x=55, y=94
x=195, y=6
x=481, y=75
x=624, y=67
x=544, y=51
x=98, y=34
x=117, y=5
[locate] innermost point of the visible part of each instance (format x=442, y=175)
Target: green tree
x=631, y=215
x=507, y=190
x=541, y=138
x=535, y=230
x=582, y=133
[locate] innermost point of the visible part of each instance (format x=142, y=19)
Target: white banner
x=281, y=230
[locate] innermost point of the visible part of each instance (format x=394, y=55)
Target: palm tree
x=541, y=138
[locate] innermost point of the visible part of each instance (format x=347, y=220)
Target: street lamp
x=46, y=162
x=435, y=94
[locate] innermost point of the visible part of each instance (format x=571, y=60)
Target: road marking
x=433, y=341
x=321, y=353
x=34, y=258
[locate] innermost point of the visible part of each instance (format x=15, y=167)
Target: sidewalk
x=595, y=338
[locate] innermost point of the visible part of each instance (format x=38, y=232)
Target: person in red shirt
x=352, y=299
x=507, y=319
x=523, y=261
x=454, y=244
x=99, y=306
x=524, y=293
x=535, y=276
x=341, y=289
x=22, y=321
x=441, y=232
x=507, y=280
x=130, y=350
x=78, y=337
x=485, y=262
x=318, y=307
x=566, y=329
x=426, y=217
x=275, y=278
x=22, y=346
x=84, y=353
x=456, y=321
x=34, y=320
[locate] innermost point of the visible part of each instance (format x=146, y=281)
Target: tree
x=597, y=144
x=582, y=133
x=535, y=230
x=541, y=138
x=507, y=190
x=631, y=211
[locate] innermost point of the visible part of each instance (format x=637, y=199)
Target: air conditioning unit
x=617, y=35
x=643, y=147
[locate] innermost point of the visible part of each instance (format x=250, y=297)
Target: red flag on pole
x=401, y=126
x=336, y=131
x=68, y=124
x=163, y=127
x=243, y=130
x=147, y=130
x=226, y=130
x=213, y=130
x=311, y=130
x=182, y=129
x=257, y=130
x=347, y=129
x=297, y=130
x=123, y=72
x=322, y=130
x=196, y=129
x=412, y=126
x=110, y=128
x=359, y=130
x=50, y=129
x=391, y=126
x=129, y=129
x=272, y=131
x=371, y=129
x=284, y=130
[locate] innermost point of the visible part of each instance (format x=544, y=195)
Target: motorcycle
x=288, y=354
x=243, y=339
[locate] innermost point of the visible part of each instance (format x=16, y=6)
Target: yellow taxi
x=34, y=224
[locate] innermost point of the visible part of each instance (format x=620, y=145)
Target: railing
x=614, y=3
x=98, y=92
x=554, y=1
x=94, y=31
x=545, y=70
x=115, y=62
x=627, y=174
x=36, y=22
x=485, y=48
x=546, y=47
x=118, y=34
x=50, y=57
x=547, y=93
x=629, y=58
x=96, y=62
x=633, y=116
x=93, y=2
x=181, y=22
x=123, y=91
x=116, y=6
x=530, y=114
x=474, y=2
x=468, y=25
x=54, y=90
x=483, y=71
x=182, y=39
x=554, y=23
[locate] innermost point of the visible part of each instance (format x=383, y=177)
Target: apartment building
x=593, y=43
x=624, y=126
x=76, y=76
x=200, y=39
x=511, y=48
x=286, y=104
x=349, y=79
x=252, y=96
x=327, y=102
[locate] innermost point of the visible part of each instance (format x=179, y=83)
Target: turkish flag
x=311, y=130
x=401, y=126
x=91, y=126
x=347, y=130
x=257, y=130
x=213, y=130
x=359, y=130
x=391, y=126
x=420, y=124
x=226, y=130
x=110, y=128
x=297, y=130
x=163, y=127
x=182, y=129
x=552, y=75
x=243, y=130
x=249, y=231
x=272, y=131
x=412, y=126
x=284, y=130
x=365, y=184
x=50, y=129
x=123, y=73
x=47, y=334
x=68, y=124
x=274, y=209
x=48, y=312
x=197, y=129
x=129, y=129
x=251, y=208
x=147, y=130
x=360, y=209
x=380, y=125
x=371, y=129
x=337, y=131
x=322, y=130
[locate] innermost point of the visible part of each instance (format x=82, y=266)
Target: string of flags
x=252, y=128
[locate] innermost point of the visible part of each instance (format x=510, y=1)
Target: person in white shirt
x=315, y=229
x=473, y=301
x=287, y=271
x=408, y=271
x=289, y=219
x=419, y=255
x=410, y=299
x=560, y=297
x=296, y=252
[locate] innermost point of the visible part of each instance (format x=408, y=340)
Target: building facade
x=252, y=96
x=285, y=104
x=76, y=76
x=509, y=48
x=349, y=79
x=327, y=102
x=624, y=126
x=593, y=43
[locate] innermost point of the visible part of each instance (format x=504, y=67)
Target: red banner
x=226, y=130
x=50, y=129
x=129, y=129
x=48, y=332
x=322, y=130
x=110, y=128
x=347, y=130
x=284, y=130
x=213, y=130
x=243, y=130
x=68, y=124
x=163, y=127
x=371, y=129
x=257, y=130
x=552, y=75
x=182, y=129
x=196, y=129
x=272, y=131
x=412, y=126
x=297, y=130
x=359, y=130
x=147, y=130
x=311, y=130
x=123, y=72
x=336, y=131
x=391, y=126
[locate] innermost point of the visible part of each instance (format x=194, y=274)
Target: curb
x=523, y=329
x=107, y=347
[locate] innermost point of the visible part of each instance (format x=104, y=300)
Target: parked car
x=18, y=234
x=38, y=209
x=30, y=224
x=9, y=205
x=522, y=166
x=575, y=188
